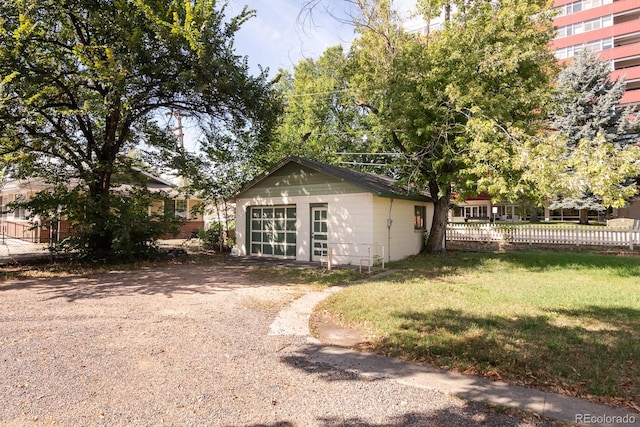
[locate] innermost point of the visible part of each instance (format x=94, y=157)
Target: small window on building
x=5, y=209
x=175, y=208
x=419, y=218
x=181, y=208
x=20, y=213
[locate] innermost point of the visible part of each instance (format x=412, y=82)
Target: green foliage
x=322, y=117
x=591, y=159
x=216, y=237
x=82, y=82
x=133, y=231
x=458, y=104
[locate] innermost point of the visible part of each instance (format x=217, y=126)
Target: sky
x=280, y=37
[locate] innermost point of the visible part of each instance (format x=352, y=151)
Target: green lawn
x=565, y=322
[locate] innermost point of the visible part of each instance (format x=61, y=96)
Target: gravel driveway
x=186, y=345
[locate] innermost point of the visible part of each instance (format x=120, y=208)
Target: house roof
x=124, y=181
x=377, y=184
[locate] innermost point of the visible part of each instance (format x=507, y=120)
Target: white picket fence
x=545, y=234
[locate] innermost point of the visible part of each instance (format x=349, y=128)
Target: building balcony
x=629, y=74
x=615, y=31
x=617, y=54
x=631, y=97
x=616, y=8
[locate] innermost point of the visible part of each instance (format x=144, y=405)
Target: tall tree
x=598, y=159
x=458, y=103
x=321, y=117
x=82, y=82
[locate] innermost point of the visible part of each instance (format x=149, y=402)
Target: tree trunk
x=99, y=236
x=584, y=216
x=437, y=233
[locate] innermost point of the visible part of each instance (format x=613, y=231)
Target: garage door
x=273, y=231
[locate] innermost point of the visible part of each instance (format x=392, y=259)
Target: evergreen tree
x=599, y=157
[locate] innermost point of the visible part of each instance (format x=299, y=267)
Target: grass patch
x=563, y=322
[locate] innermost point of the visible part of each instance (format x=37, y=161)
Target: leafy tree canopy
x=459, y=103
x=82, y=83
x=591, y=159
x=322, y=118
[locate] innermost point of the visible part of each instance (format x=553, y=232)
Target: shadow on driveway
x=167, y=280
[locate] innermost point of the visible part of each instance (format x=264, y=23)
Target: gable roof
x=377, y=184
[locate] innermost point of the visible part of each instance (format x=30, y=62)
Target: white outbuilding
x=311, y=211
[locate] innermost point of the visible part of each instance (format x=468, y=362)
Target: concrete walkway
x=294, y=320
x=15, y=250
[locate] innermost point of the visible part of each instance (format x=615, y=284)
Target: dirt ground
x=187, y=345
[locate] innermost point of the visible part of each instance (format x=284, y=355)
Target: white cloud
x=279, y=37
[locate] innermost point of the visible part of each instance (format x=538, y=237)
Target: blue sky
x=278, y=37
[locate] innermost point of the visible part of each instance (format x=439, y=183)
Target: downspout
x=389, y=223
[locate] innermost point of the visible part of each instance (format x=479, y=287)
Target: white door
x=319, y=233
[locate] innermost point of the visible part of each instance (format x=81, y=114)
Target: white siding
x=401, y=240
x=349, y=222
x=357, y=225
x=350, y=228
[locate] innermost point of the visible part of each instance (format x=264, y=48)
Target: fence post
x=630, y=238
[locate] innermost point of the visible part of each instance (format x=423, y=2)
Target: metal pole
x=59, y=218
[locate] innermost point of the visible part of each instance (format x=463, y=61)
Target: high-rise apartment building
x=609, y=27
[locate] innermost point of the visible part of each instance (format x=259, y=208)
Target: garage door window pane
x=273, y=231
